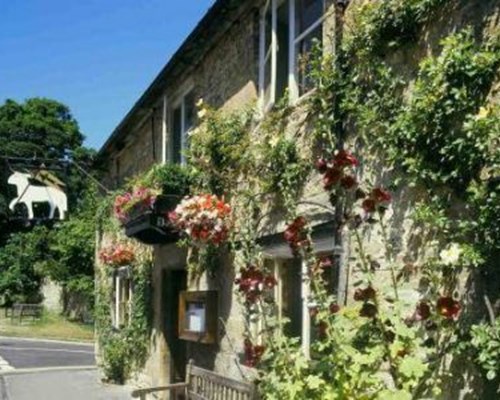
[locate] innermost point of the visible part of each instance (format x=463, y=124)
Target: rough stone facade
x=226, y=76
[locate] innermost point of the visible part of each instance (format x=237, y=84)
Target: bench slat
x=214, y=378
x=202, y=384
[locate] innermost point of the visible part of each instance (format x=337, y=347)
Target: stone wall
x=227, y=78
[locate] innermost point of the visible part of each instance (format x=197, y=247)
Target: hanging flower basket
x=204, y=219
x=117, y=255
x=143, y=214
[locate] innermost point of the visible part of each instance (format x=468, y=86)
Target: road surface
x=48, y=370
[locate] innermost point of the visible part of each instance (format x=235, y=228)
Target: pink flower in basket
x=138, y=201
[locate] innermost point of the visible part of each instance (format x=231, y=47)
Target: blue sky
x=96, y=56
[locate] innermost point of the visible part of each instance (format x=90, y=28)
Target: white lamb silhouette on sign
x=28, y=195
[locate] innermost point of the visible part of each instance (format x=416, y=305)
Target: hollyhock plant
x=205, y=219
x=296, y=236
x=448, y=307
x=117, y=255
x=378, y=199
x=253, y=353
x=423, y=311
x=252, y=283
x=137, y=201
x=337, y=171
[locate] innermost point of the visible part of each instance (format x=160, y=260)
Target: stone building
x=241, y=53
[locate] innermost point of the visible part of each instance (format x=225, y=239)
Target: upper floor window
x=183, y=115
x=288, y=31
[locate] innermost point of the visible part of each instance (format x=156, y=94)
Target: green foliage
x=20, y=258
x=381, y=26
x=41, y=128
x=485, y=345
x=219, y=149
x=125, y=350
x=63, y=253
x=285, y=170
x=171, y=179
x=439, y=136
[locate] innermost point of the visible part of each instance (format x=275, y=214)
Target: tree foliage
x=40, y=128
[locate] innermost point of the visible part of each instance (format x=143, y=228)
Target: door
x=173, y=283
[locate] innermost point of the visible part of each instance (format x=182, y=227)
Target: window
x=289, y=29
x=292, y=296
x=123, y=298
x=308, y=32
x=274, y=66
x=182, y=121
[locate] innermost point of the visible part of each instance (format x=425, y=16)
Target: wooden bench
x=202, y=384
x=26, y=310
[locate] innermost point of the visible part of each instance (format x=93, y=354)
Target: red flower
x=381, y=196
x=270, y=282
x=331, y=178
x=334, y=308
x=423, y=311
x=326, y=262
x=369, y=205
x=313, y=311
x=348, y=182
x=448, y=307
x=321, y=165
x=345, y=159
x=365, y=294
x=253, y=353
x=368, y=310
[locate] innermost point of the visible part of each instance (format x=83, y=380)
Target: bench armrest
x=141, y=393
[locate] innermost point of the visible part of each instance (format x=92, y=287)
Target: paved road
x=59, y=385
x=46, y=370
x=19, y=353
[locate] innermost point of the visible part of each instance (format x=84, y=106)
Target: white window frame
x=180, y=102
x=293, y=87
x=119, y=319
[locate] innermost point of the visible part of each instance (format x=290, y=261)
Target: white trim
x=309, y=30
x=306, y=318
x=262, y=51
x=164, y=132
x=274, y=51
x=293, y=42
x=180, y=102
x=117, y=301
x=183, y=130
x=293, y=88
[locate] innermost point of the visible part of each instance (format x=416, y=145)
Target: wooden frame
x=198, y=316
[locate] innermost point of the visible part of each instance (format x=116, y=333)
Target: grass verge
x=49, y=326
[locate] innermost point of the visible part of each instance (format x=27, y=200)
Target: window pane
x=189, y=112
x=268, y=31
x=283, y=50
x=291, y=285
x=268, y=28
x=176, y=135
x=307, y=12
x=304, y=48
x=267, y=82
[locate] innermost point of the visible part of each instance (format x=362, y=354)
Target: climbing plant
x=434, y=129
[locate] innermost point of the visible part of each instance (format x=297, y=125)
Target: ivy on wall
x=437, y=131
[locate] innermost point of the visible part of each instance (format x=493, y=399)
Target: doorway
x=173, y=282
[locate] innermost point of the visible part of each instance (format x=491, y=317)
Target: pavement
x=52, y=370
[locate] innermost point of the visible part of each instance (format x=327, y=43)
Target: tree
x=40, y=129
